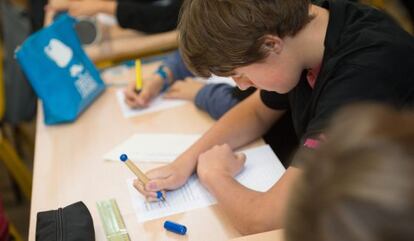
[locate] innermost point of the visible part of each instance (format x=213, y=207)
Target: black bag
x=71, y=223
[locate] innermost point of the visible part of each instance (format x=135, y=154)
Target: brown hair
x=217, y=36
x=360, y=184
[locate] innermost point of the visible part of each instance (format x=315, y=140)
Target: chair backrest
x=4, y=224
x=1, y=81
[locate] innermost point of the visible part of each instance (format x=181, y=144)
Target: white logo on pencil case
x=85, y=83
x=59, y=52
x=62, y=55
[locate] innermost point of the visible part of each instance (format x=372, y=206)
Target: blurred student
x=306, y=59
x=359, y=185
x=173, y=77
x=150, y=16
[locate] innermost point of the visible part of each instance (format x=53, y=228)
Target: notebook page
x=262, y=170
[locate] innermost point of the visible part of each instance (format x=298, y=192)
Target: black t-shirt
x=151, y=16
x=367, y=57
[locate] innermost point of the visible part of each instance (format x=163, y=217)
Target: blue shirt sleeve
x=216, y=99
x=175, y=63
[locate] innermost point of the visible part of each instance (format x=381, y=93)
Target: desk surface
x=68, y=167
x=276, y=235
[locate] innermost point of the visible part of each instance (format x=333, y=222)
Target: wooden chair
x=8, y=155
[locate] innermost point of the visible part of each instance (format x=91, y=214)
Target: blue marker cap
x=159, y=195
x=123, y=157
x=175, y=227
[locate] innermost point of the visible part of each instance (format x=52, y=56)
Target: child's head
x=219, y=36
x=360, y=184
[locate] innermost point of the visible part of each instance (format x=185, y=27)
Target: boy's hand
x=186, y=89
x=169, y=177
x=219, y=160
x=151, y=88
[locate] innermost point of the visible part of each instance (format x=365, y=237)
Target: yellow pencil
x=138, y=76
x=140, y=175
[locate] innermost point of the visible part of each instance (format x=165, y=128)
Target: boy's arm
x=241, y=125
x=250, y=211
x=78, y=8
x=175, y=64
x=216, y=99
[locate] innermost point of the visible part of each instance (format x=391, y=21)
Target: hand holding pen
x=140, y=175
x=140, y=92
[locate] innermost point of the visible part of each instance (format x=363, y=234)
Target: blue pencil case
x=61, y=74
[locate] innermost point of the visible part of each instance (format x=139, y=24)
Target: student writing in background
x=306, y=59
x=179, y=83
x=359, y=185
x=150, y=16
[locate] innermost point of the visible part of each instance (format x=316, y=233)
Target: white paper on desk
x=156, y=104
x=152, y=147
x=106, y=19
x=214, y=79
x=262, y=170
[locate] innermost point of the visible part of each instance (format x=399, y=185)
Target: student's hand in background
x=169, y=177
x=186, y=89
x=79, y=8
x=151, y=88
x=219, y=160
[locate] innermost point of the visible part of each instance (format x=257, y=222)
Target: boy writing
x=306, y=59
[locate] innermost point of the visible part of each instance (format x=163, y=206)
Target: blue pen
x=141, y=176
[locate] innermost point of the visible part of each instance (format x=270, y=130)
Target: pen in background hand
x=138, y=76
x=140, y=175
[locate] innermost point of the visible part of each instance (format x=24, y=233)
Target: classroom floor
x=18, y=212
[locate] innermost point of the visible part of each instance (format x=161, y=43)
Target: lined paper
x=261, y=171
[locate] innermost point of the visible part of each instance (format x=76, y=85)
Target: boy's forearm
x=244, y=123
x=240, y=126
x=243, y=206
x=251, y=211
x=108, y=7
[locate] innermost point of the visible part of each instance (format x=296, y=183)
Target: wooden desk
x=68, y=167
x=276, y=235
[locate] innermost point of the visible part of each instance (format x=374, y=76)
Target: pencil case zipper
x=60, y=224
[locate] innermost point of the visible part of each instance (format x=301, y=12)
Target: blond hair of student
x=363, y=186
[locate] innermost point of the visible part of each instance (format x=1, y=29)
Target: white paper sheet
x=214, y=79
x=152, y=147
x=262, y=170
x=107, y=19
x=156, y=104
x=117, y=75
